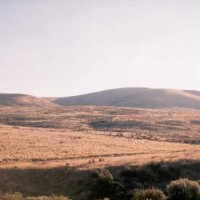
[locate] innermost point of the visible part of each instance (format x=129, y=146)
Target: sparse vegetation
x=115, y=183
x=180, y=126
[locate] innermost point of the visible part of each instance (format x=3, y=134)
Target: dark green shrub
x=149, y=194
x=102, y=186
x=183, y=189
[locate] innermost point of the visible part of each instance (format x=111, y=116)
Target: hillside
x=22, y=100
x=136, y=97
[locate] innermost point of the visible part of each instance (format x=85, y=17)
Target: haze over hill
x=22, y=100
x=136, y=97
x=122, y=97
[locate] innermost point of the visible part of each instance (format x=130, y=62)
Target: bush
x=102, y=186
x=183, y=189
x=149, y=194
x=103, y=174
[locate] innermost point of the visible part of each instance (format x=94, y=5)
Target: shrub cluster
x=152, y=182
x=105, y=186
x=182, y=189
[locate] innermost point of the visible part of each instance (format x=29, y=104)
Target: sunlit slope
x=136, y=97
x=22, y=100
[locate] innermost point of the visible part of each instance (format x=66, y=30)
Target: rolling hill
x=136, y=97
x=22, y=100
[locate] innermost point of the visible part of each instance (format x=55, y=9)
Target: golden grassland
x=92, y=137
x=37, y=147
x=55, y=150
x=172, y=125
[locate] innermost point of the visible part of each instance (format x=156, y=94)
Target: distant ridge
x=22, y=100
x=136, y=97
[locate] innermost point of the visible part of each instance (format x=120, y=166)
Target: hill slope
x=22, y=100
x=136, y=97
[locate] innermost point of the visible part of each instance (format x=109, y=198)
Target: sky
x=70, y=47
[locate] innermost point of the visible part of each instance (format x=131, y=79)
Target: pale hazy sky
x=69, y=47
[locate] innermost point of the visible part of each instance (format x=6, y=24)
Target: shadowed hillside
x=79, y=184
x=22, y=100
x=136, y=97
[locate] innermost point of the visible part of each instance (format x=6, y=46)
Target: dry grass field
x=173, y=125
x=37, y=147
x=92, y=137
x=56, y=150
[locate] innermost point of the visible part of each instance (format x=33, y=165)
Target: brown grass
x=90, y=137
x=31, y=147
x=55, y=150
x=172, y=125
